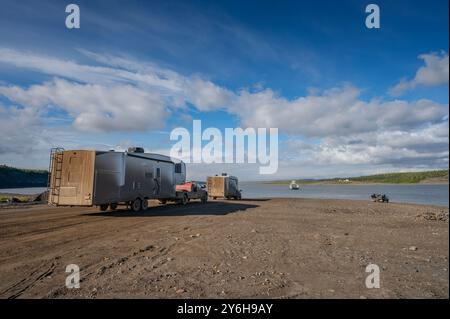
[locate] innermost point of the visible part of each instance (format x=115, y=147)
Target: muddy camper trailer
x=224, y=186
x=109, y=178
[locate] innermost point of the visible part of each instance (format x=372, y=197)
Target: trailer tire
x=163, y=201
x=144, y=204
x=204, y=199
x=103, y=207
x=113, y=206
x=136, y=205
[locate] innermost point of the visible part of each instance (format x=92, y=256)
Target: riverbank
x=280, y=248
x=17, y=198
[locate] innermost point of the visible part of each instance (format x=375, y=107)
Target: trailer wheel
x=103, y=207
x=204, y=199
x=113, y=206
x=144, y=204
x=136, y=205
x=163, y=201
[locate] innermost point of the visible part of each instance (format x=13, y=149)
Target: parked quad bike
x=381, y=198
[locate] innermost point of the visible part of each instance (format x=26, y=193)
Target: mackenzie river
x=427, y=194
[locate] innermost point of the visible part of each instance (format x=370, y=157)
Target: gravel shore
x=274, y=248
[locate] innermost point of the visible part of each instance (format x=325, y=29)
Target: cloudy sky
x=347, y=100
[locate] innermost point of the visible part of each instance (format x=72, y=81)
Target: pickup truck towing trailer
x=187, y=191
x=108, y=178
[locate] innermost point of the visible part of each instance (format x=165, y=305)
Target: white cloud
x=151, y=77
x=434, y=73
x=122, y=94
x=95, y=108
x=107, y=91
x=339, y=111
x=121, y=81
x=206, y=96
x=427, y=147
x=27, y=134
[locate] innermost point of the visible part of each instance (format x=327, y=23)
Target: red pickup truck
x=191, y=190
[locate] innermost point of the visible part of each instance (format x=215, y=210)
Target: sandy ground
x=278, y=248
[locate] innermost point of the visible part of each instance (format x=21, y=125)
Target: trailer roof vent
x=224, y=174
x=135, y=150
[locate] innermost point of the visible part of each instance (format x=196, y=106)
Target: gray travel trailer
x=109, y=178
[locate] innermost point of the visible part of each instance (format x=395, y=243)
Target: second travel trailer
x=224, y=186
x=108, y=178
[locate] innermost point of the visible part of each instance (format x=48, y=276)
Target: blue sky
x=347, y=100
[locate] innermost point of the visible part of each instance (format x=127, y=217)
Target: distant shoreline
x=436, y=177
x=352, y=183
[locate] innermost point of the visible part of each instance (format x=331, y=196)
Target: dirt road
x=278, y=248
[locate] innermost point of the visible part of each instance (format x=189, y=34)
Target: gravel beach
x=261, y=248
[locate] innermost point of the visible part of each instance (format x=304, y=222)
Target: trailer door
x=158, y=181
x=76, y=179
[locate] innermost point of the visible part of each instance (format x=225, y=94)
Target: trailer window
x=178, y=168
x=148, y=173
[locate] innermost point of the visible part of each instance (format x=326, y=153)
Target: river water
x=414, y=193
x=23, y=191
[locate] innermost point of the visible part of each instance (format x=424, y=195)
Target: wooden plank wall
x=77, y=178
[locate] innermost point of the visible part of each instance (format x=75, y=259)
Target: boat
x=294, y=186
